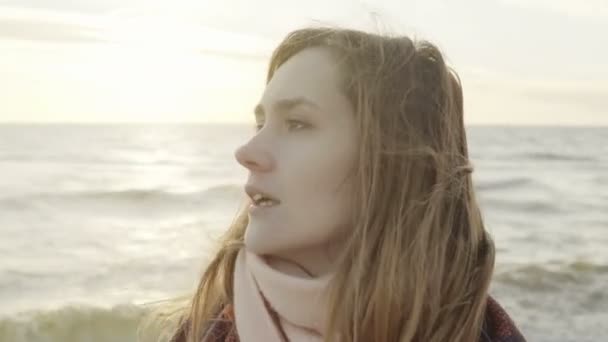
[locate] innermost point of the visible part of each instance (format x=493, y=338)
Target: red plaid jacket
x=497, y=327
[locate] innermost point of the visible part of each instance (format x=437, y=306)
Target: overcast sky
x=521, y=61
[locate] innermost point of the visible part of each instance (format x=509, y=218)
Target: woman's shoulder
x=221, y=328
x=498, y=325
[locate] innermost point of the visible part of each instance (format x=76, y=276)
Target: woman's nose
x=254, y=158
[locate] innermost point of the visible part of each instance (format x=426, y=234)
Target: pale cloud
x=494, y=97
x=48, y=15
x=67, y=6
x=189, y=60
x=150, y=67
x=148, y=27
x=46, y=31
x=48, y=25
x=581, y=8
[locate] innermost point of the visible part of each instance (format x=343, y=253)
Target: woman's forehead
x=311, y=75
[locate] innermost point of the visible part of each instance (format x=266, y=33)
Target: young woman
x=363, y=223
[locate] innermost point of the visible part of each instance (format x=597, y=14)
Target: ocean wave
x=219, y=193
x=93, y=160
x=521, y=205
x=516, y=182
x=551, y=277
x=554, y=156
x=74, y=324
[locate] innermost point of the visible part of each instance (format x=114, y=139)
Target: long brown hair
x=418, y=262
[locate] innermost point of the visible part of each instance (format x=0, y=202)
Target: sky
x=521, y=62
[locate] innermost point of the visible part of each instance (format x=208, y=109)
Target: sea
x=96, y=221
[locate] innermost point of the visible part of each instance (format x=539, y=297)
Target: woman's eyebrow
x=285, y=105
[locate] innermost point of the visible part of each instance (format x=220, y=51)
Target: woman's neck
x=307, y=262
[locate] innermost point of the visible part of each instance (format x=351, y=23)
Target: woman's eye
x=292, y=125
x=296, y=125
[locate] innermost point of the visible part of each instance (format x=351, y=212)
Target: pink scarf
x=296, y=301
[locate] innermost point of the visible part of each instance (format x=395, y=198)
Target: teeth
x=266, y=203
x=262, y=201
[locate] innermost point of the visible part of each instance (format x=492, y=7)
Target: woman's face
x=302, y=155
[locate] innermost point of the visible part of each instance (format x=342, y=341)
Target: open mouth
x=260, y=200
